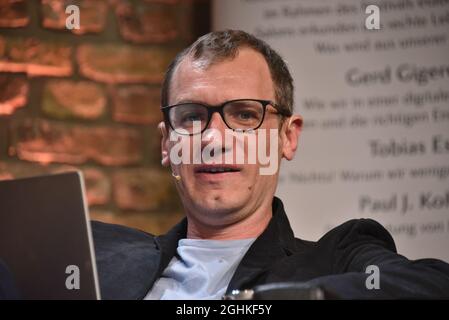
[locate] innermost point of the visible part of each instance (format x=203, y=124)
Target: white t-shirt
x=202, y=269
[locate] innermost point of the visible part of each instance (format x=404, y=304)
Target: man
x=236, y=234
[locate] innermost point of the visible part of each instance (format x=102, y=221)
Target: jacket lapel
x=166, y=245
x=276, y=242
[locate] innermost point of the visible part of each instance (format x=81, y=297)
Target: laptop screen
x=45, y=237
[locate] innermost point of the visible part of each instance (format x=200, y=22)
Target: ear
x=290, y=136
x=164, y=144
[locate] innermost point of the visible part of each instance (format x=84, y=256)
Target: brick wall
x=89, y=98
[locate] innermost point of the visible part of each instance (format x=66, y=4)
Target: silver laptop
x=45, y=237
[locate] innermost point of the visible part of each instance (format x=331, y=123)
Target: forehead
x=245, y=76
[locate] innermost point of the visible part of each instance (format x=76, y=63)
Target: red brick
x=92, y=15
x=146, y=23
x=165, y=1
x=67, y=99
x=34, y=57
x=97, y=183
x=113, y=146
x=13, y=14
x=2, y=46
x=137, y=104
x=13, y=94
x=98, y=187
x=18, y=169
x=152, y=137
x=118, y=63
x=142, y=189
x=44, y=141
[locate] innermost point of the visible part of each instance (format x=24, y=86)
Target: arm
x=361, y=243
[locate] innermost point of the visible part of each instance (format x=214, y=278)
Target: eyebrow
x=191, y=101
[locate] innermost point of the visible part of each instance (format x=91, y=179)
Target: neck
x=249, y=227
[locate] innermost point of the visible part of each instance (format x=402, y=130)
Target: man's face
x=223, y=198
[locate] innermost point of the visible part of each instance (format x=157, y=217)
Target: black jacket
x=8, y=289
x=130, y=261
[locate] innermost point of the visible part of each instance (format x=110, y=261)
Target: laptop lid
x=45, y=237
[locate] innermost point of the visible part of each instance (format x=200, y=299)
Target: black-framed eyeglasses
x=241, y=114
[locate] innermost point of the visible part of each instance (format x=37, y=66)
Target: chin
x=219, y=203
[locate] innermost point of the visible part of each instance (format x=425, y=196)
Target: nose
x=215, y=130
x=217, y=122
x=214, y=135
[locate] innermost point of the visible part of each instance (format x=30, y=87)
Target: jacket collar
x=168, y=243
x=275, y=242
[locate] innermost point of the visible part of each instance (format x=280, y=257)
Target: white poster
x=372, y=84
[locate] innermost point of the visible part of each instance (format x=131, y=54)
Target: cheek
x=269, y=147
x=263, y=185
x=180, y=151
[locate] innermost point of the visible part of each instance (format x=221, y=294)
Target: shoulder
x=356, y=243
x=118, y=241
x=357, y=232
x=126, y=258
x=113, y=232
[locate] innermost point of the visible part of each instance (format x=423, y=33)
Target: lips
x=217, y=175
x=217, y=169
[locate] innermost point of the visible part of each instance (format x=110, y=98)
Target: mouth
x=217, y=169
x=216, y=172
